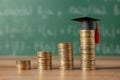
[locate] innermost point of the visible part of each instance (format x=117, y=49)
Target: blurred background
x=28, y=26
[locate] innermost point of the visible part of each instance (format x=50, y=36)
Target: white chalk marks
x=29, y=26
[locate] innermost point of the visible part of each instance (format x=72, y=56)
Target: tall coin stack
x=65, y=56
x=87, y=41
x=44, y=60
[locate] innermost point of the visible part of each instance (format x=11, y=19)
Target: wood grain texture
x=108, y=68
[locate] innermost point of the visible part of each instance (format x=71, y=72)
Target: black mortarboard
x=87, y=22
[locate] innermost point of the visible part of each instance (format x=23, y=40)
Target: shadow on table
x=103, y=68
x=7, y=66
x=98, y=68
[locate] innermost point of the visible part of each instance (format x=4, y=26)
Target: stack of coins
x=87, y=41
x=63, y=56
x=49, y=60
x=70, y=52
x=23, y=64
x=44, y=60
x=65, y=51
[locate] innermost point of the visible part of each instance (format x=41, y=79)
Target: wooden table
x=108, y=68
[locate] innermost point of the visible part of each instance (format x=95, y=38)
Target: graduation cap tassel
x=97, y=35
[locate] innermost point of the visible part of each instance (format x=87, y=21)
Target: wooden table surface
x=108, y=68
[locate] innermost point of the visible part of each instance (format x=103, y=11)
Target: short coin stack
x=87, y=41
x=44, y=60
x=23, y=64
x=65, y=51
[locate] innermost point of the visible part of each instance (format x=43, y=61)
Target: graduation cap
x=88, y=24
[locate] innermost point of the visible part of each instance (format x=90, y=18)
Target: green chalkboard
x=27, y=26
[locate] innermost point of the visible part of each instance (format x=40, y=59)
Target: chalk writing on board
x=20, y=46
x=118, y=0
x=59, y=13
x=16, y=11
x=108, y=1
x=110, y=49
x=116, y=10
x=110, y=32
x=91, y=9
x=45, y=13
x=27, y=27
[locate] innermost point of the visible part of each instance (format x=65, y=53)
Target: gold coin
x=71, y=63
x=43, y=59
x=70, y=46
x=23, y=64
x=49, y=62
x=87, y=47
x=88, y=68
x=63, y=52
x=87, y=51
x=28, y=63
x=87, y=33
x=49, y=55
x=62, y=45
x=71, y=58
x=64, y=63
x=87, y=64
x=70, y=55
x=63, y=59
x=64, y=68
x=88, y=61
x=42, y=64
x=49, y=67
x=87, y=41
x=42, y=68
x=87, y=58
x=88, y=54
x=41, y=54
x=61, y=56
